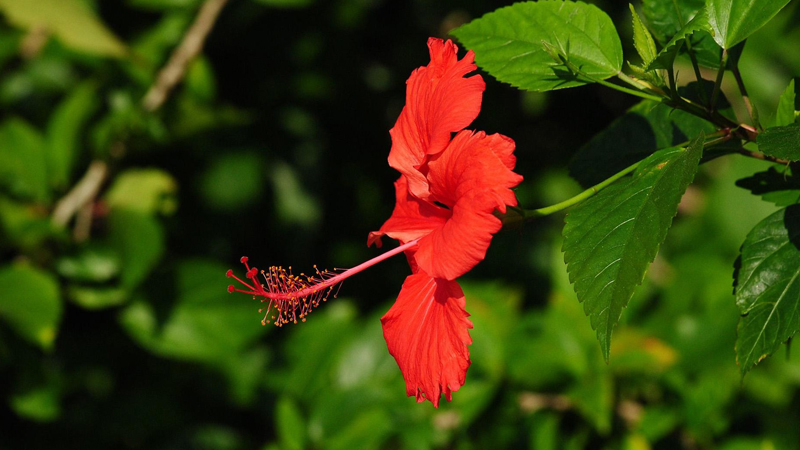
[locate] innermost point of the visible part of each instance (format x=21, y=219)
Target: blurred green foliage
x=115, y=327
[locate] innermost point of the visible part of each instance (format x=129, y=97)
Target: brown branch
x=191, y=45
x=81, y=194
x=763, y=157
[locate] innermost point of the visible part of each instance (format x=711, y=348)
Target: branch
x=191, y=45
x=81, y=194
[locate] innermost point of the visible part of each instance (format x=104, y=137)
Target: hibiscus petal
x=411, y=218
x=456, y=247
x=475, y=162
x=439, y=101
x=427, y=332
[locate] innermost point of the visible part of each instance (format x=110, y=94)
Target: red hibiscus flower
x=446, y=197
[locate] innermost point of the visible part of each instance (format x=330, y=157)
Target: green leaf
x=642, y=130
x=290, y=425
x=23, y=161
x=732, y=21
x=611, y=238
x=768, y=287
x=31, y=303
x=667, y=17
x=64, y=133
x=234, y=181
x=148, y=191
x=785, y=113
x=93, y=264
x=666, y=57
x=205, y=324
x=516, y=44
x=642, y=39
x=139, y=241
x=781, y=142
x=780, y=188
x=72, y=21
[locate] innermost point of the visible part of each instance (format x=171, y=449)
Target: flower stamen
x=291, y=298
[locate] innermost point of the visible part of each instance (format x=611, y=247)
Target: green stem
x=527, y=214
x=517, y=215
x=605, y=83
x=723, y=61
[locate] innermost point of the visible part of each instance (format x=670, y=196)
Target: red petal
x=455, y=248
x=475, y=162
x=439, y=101
x=411, y=217
x=427, y=332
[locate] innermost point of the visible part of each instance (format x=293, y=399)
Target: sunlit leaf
x=515, y=44
x=611, y=238
x=147, y=191
x=642, y=39
x=72, y=21
x=31, y=303
x=768, y=287
x=732, y=21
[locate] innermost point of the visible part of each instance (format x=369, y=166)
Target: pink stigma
x=292, y=297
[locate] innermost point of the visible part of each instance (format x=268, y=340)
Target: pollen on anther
x=229, y=273
x=231, y=289
x=244, y=259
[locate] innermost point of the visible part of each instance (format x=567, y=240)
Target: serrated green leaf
x=64, y=132
x=785, y=113
x=512, y=44
x=732, y=21
x=666, y=57
x=642, y=130
x=768, y=287
x=30, y=303
x=610, y=239
x=139, y=241
x=781, y=142
x=667, y=17
x=72, y=21
x=642, y=39
x=781, y=188
x=23, y=161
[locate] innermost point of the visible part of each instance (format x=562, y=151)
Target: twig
x=81, y=194
x=751, y=108
x=191, y=45
x=763, y=157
